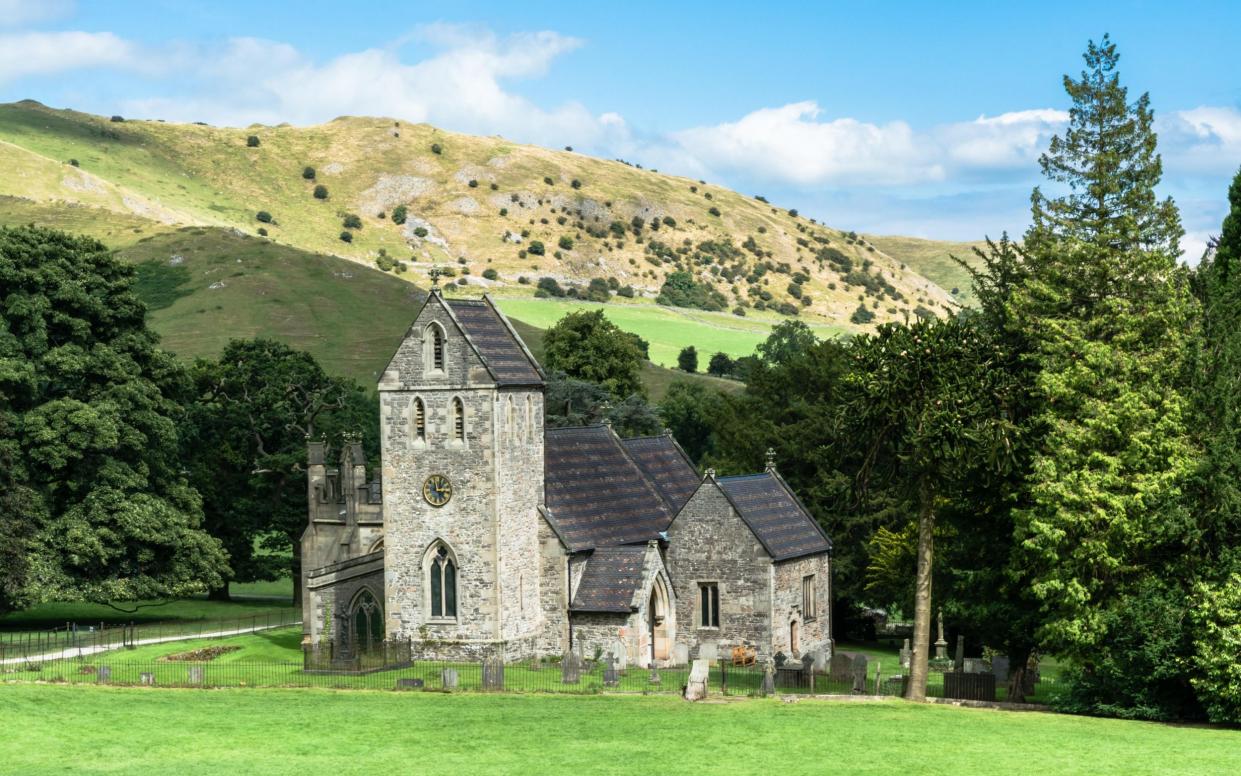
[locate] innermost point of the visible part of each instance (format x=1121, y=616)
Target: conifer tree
x=1107, y=311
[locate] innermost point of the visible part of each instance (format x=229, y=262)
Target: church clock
x=437, y=490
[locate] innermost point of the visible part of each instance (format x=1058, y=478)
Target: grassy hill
x=933, y=259
x=474, y=204
x=206, y=285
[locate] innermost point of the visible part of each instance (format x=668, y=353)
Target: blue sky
x=895, y=117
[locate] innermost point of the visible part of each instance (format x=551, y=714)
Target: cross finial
x=436, y=273
x=771, y=459
x=711, y=474
x=667, y=432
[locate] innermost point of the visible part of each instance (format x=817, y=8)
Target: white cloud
x=48, y=53
x=19, y=13
x=1204, y=140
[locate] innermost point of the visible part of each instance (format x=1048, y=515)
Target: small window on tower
x=436, y=355
x=458, y=420
x=808, y=600
x=420, y=421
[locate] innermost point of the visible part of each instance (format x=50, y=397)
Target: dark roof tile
x=495, y=342
x=610, y=579
x=665, y=465
x=775, y=516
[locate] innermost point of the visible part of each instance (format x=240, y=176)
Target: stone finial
x=771, y=459
x=435, y=273
x=668, y=432
x=711, y=474
x=603, y=410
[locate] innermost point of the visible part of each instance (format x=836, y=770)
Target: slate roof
x=495, y=342
x=595, y=493
x=610, y=579
x=775, y=516
x=664, y=463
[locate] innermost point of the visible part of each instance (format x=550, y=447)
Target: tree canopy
x=587, y=346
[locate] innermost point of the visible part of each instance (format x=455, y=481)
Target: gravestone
x=958, y=664
x=999, y=667
x=196, y=674
x=941, y=645
x=104, y=675
x=147, y=679
x=680, y=654
x=780, y=659
x=709, y=650
x=906, y=654
x=696, y=688
x=654, y=679
x=448, y=678
x=769, y=680
x=822, y=659
x=611, y=677
x=841, y=669
x=620, y=651
x=493, y=673
x=570, y=669
x=859, y=675
x=409, y=684
x=975, y=665
x=536, y=664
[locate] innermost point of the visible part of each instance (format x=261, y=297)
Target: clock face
x=437, y=490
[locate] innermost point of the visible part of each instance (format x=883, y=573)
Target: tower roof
x=496, y=342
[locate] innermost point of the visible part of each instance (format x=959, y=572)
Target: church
x=486, y=533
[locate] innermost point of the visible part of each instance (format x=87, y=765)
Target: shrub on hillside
x=252, y=141
x=687, y=359
x=793, y=212
x=681, y=290
x=473, y=183
x=117, y=119
x=548, y=287
x=436, y=148
x=352, y=221
x=566, y=242
x=263, y=216
x=720, y=365
x=861, y=315
x=399, y=213
x=262, y=232
x=715, y=211
x=597, y=291
x=535, y=248
x=625, y=291
x=346, y=236
x=74, y=163
x=575, y=183
x=491, y=274
x=308, y=173
x=420, y=231
x=320, y=191
x=549, y=181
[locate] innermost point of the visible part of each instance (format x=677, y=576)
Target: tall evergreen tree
x=1107, y=312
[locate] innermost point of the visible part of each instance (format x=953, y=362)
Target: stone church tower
x=461, y=414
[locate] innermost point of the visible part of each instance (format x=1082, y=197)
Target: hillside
x=933, y=259
x=474, y=205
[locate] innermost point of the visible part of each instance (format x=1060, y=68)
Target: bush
x=739, y=311
x=263, y=216
x=385, y=263
x=252, y=141
x=352, y=221
x=436, y=149
x=308, y=173
x=549, y=181
x=320, y=191
x=535, y=248
x=793, y=212
x=720, y=365
x=625, y=291
x=861, y=315
x=715, y=211
x=503, y=212
x=597, y=291
x=575, y=183
x=346, y=236
x=74, y=162
x=473, y=183
x=566, y=242
x=117, y=119
x=262, y=232
x=495, y=187
x=681, y=290
x=670, y=222
x=420, y=231
x=491, y=274
x=550, y=287
x=687, y=359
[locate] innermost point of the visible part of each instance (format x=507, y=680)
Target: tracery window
x=420, y=420
x=458, y=420
x=443, y=583
x=435, y=356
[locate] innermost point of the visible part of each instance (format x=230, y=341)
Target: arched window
x=458, y=420
x=367, y=621
x=529, y=418
x=419, y=421
x=435, y=347
x=508, y=416
x=443, y=582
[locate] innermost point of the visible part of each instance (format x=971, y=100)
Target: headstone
x=709, y=650
x=696, y=689
x=975, y=665
x=680, y=654
x=906, y=654
x=104, y=675
x=780, y=659
x=999, y=667
x=570, y=669
x=620, y=651
x=841, y=669
x=958, y=664
x=147, y=679
x=493, y=673
x=769, y=680
x=611, y=677
x=448, y=678
x=822, y=659
x=536, y=664
x=196, y=674
x=859, y=675
x=409, y=684
x=941, y=645
x=655, y=677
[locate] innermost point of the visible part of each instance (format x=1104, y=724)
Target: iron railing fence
x=79, y=639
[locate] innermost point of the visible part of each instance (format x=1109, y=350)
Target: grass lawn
x=54, y=729
x=52, y=615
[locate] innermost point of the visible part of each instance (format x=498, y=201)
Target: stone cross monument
x=941, y=644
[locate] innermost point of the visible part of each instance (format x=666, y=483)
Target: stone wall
x=330, y=598
x=597, y=633
x=553, y=592
x=519, y=492
x=708, y=542
x=814, y=630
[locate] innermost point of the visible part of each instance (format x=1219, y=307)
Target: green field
x=668, y=329
x=56, y=730
x=934, y=259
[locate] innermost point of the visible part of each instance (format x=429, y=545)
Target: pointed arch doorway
x=658, y=623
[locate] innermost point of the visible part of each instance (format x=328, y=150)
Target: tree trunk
x=296, y=570
x=916, y=689
x=1019, y=659
x=219, y=593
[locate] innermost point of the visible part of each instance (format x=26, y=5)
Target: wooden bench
x=744, y=656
